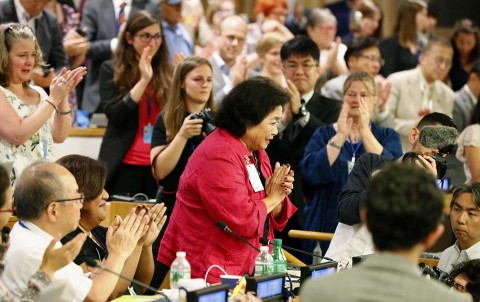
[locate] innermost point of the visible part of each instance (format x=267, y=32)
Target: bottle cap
x=181, y=254
x=277, y=242
x=264, y=248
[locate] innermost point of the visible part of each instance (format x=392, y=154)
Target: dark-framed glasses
x=305, y=66
x=373, y=58
x=146, y=37
x=80, y=199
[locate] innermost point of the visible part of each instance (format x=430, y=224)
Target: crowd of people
x=294, y=119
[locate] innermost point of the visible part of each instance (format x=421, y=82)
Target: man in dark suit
x=101, y=19
x=47, y=31
x=306, y=111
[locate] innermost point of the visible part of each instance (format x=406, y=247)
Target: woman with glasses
x=31, y=120
x=466, y=278
x=53, y=259
x=90, y=175
x=331, y=152
x=133, y=87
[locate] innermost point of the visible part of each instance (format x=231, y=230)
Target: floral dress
x=38, y=146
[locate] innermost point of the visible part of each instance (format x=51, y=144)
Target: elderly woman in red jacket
x=229, y=178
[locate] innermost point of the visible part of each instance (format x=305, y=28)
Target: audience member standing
x=103, y=21
x=31, y=120
x=177, y=38
x=321, y=28
x=468, y=150
x=268, y=50
x=47, y=32
x=420, y=91
x=401, y=51
x=331, y=153
x=466, y=50
x=303, y=114
x=228, y=68
x=133, y=88
x=396, y=202
x=467, y=97
x=365, y=20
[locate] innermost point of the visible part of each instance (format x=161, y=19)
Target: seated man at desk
x=465, y=221
x=48, y=204
x=396, y=202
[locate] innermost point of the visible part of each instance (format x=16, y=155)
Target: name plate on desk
x=217, y=293
x=267, y=287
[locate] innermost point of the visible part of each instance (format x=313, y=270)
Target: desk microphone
x=93, y=263
x=265, y=241
x=225, y=228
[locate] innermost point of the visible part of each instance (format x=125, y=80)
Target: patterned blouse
x=39, y=145
x=36, y=285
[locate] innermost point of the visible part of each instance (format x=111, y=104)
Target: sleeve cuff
x=113, y=44
x=303, y=121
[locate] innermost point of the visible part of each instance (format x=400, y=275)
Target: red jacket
x=215, y=186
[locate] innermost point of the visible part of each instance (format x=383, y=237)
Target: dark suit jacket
x=99, y=18
x=48, y=33
x=122, y=117
x=289, y=148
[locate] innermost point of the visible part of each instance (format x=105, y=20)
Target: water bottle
x=264, y=262
x=279, y=259
x=180, y=269
x=317, y=251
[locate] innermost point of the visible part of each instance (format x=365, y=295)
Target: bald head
x=233, y=32
x=40, y=184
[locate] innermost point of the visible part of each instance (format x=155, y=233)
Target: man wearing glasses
x=306, y=111
x=420, y=91
x=48, y=205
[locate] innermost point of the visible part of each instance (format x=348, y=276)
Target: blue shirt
x=177, y=39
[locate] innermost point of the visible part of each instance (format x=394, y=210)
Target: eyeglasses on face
x=460, y=288
x=439, y=61
x=146, y=37
x=305, y=66
x=373, y=58
x=80, y=199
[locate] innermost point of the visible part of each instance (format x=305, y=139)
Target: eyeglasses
x=146, y=37
x=81, y=199
x=305, y=66
x=459, y=287
x=373, y=58
x=439, y=61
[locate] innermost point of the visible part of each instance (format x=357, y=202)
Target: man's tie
x=225, y=70
x=121, y=14
x=296, y=127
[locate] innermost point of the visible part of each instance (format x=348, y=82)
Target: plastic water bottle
x=317, y=251
x=279, y=259
x=264, y=262
x=180, y=269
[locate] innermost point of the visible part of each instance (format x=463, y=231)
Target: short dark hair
x=403, y=205
x=4, y=184
x=357, y=45
x=471, y=269
x=436, y=40
x=300, y=45
x=436, y=118
x=35, y=189
x=89, y=173
x=249, y=103
x=473, y=188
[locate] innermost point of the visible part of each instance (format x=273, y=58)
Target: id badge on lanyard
x=253, y=176
x=147, y=134
x=351, y=164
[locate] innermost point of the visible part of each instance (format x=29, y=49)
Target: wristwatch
x=334, y=144
x=302, y=111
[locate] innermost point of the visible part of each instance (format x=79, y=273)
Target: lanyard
x=23, y=225
x=354, y=150
x=102, y=245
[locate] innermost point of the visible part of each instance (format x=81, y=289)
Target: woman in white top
x=31, y=120
x=469, y=147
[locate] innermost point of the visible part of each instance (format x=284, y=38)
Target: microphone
x=265, y=241
x=93, y=263
x=438, y=137
x=225, y=228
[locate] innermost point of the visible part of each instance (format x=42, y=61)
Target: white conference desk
x=83, y=141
